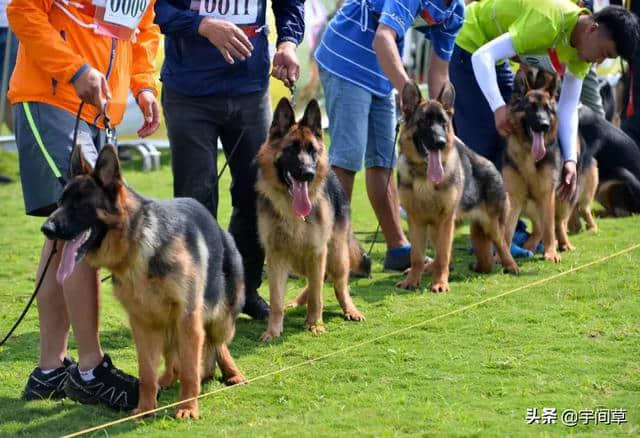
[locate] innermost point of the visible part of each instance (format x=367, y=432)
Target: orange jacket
x=53, y=48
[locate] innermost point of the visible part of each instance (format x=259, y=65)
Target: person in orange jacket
x=72, y=52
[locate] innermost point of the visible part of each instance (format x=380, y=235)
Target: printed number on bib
x=240, y=12
x=126, y=13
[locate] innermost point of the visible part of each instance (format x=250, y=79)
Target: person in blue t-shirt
x=360, y=64
x=215, y=86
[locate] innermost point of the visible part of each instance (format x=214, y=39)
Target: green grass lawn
x=569, y=343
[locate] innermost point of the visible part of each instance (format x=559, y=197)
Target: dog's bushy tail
x=359, y=261
x=633, y=186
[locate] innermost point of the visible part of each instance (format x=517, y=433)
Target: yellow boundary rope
x=359, y=344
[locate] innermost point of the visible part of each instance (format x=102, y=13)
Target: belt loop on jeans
x=45, y=153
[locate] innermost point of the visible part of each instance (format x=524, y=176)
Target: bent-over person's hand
x=503, y=123
x=569, y=183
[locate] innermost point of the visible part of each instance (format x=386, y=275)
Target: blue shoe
x=519, y=252
x=398, y=259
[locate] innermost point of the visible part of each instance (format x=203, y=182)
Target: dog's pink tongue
x=537, y=146
x=301, y=202
x=68, y=259
x=434, y=167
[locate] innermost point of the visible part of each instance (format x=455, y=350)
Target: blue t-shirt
x=346, y=47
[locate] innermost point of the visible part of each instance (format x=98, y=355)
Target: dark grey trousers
x=194, y=125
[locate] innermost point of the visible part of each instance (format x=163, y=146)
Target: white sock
x=47, y=371
x=87, y=375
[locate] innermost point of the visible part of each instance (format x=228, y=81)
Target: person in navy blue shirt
x=360, y=64
x=215, y=86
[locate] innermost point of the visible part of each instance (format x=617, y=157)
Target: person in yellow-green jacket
x=554, y=35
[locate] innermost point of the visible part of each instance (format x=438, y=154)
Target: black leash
x=393, y=153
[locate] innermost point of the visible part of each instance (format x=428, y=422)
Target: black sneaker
x=256, y=307
x=110, y=386
x=50, y=386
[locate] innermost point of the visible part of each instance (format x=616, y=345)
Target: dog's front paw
x=271, y=333
x=316, y=328
x=411, y=282
x=188, y=410
x=566, y=247
x=353, y=314
x=440, y=286
x=236, y=379
x=511, y=268
x=141, y=408
x=552, y=256
x=167, y=380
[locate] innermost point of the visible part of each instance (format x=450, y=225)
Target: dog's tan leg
x=548, y=210
x=591, y=187
x=562, y=223
x=482, y=249
x=314, y=300
x=208, y=367
x=496, y=234
x=418, y=235
x=338, y=266
x=537, y=227
x=300, y=300
x=190, y=345
x=171, y=370
x=232, y=374
x=516, y=193
x=443, y=242
x=574, y=224
x=278, y=273
x=149, y=345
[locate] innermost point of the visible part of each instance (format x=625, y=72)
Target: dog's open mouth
x=72, y=253
x=538, y=150
x=299, y=191
x=434, y=166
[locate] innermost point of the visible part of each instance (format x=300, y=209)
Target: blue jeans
x=361, y=125
x=473, y=119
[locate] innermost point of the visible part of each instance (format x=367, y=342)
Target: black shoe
x=110, y=386
x=256, y=307
x=50, y=386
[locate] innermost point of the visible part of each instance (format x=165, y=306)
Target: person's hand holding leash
x=151, y=112
x=569, y=183
x=226, y=37
x=286, y=66
x=92, y=87
x=503, y=124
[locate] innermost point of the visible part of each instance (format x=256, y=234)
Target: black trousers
x=194, y=125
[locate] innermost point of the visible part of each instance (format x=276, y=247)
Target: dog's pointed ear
x=107, y=169
x=411, y=98
x=283, y=119
x=447, y=97
x=312, y=118
x=521, y=83
x=79, y=165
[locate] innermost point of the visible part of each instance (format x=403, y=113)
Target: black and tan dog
x=533, y=166
x=441, y=181
x=178, y=275
x=304, y=219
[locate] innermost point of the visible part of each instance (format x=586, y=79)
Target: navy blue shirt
x=195, y=67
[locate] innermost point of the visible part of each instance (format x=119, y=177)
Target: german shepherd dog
x=533, y=166
x=178, y=275
x=441, y=181
x=618, y=158
x=304, y=220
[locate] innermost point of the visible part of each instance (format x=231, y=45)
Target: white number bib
x=240, y=12
x=127, y=13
